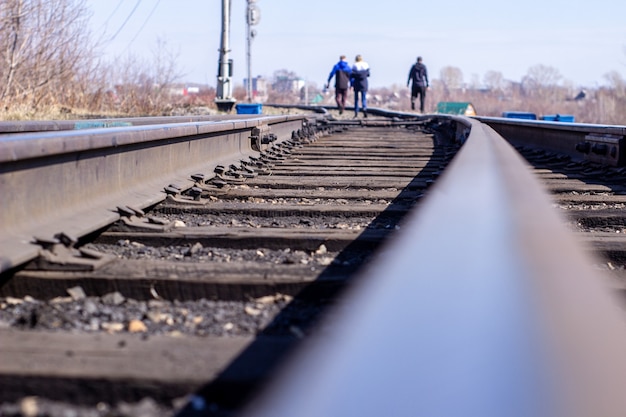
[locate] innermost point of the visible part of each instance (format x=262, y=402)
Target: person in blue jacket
x=358, y=81
x=341, y=71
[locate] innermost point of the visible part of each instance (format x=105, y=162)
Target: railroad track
x=231, y=277
x=193, y=302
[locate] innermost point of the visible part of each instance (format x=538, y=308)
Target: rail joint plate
x=603, y=148
x=261, y=137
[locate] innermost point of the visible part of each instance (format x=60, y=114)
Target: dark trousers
x=340, y=97
x=418, y=90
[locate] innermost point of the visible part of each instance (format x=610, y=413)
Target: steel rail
x=602, y=144
x=484, y=305
x=73, y=182
x=7, y=127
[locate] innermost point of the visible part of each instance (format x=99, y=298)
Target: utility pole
x=252, y=18
x=224, y=97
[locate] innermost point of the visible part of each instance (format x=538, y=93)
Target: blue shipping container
x=559, y=118
x=519, y=115
x=249, y=108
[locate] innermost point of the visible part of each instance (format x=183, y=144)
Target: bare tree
x=474, y=81
x=494, y=80
x=611, y=99
x=451, y=78
x=14, y=40
x=541, y=80
x=283, y=81
x=616, y=82
x=46, y=48
x=165, y=70
x=144, y=87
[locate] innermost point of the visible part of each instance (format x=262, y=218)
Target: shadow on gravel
x=591, y=173
x=250, y=371
x=596, y=184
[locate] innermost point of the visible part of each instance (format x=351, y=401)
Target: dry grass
x=25, y=113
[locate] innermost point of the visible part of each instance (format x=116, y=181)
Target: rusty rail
x=73, y=182
x=601, y=144
x=483, y=306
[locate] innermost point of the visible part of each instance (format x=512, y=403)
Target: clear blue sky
x=583, y=40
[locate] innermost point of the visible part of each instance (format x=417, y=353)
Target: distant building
x=286, y=84
x=456, y=107
x=186, y=89
x=259, y=87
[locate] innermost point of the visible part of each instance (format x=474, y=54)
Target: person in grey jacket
x=419, y=75
x=358, y=81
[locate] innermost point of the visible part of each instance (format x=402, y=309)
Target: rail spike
x=136, y=220
x=60, y=254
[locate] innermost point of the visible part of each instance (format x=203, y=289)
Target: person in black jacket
x=419, y=75
x=358, y=81
x=341, y=71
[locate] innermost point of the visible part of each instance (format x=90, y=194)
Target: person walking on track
x=419, y=75
x=341, y=71
x=358, y=81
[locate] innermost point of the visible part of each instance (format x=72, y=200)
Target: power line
x=106, y=22
x=143, y=25
x=125, y=21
